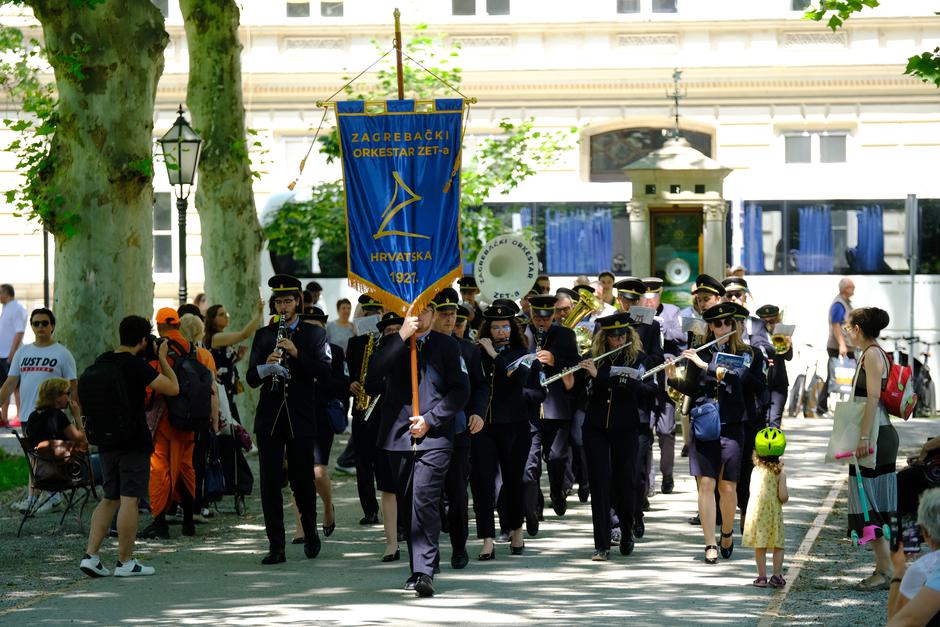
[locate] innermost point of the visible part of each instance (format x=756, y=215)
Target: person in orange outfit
x=171, y=463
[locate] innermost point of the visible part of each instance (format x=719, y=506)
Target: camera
x=153, y=343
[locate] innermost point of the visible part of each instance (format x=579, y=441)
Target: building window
x=628, y=6
x=463, y=7
x=298, y=9
x=331, y=9
x=163, y=5
x=815, y=147
x=800, y=5
x=497, y=7
x=162, y=233
x=611, y=151
x=665, y=6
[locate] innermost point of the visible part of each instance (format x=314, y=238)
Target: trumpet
x=574, y=369
x=649, y=373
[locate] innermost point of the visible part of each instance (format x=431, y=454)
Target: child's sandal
x=760, y=582
x=777, y=581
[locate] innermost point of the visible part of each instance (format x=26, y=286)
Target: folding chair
x=71, y=477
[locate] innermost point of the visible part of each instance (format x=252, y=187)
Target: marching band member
x=754, y=331
x=719, y=460
x=664, y=410
x=468, y=421
x=611, y=428
x=419, y=446
x=556, y=349
x=390, y=324
x=468, y=294
x=777, y=381
x=360, y=350
x=502, y=441
x=286, y=359
x=629, y=292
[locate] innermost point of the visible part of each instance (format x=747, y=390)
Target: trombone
x=703, y=346
x=574, y=369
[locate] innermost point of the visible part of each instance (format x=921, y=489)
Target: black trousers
x=200, y=451
x=364, y=436
x=778, y=400
x=533, y=499
x=496, y=447
x=455, y=487
x=419, y=489
x=612, y=462
x=272, y=450
x=644, y=463
x=556, y=447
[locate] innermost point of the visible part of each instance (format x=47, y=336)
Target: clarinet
x=276, y=380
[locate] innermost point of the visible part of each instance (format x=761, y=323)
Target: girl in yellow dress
x=763, y=528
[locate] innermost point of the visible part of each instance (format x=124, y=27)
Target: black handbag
x=214, y=483
x=336, y=415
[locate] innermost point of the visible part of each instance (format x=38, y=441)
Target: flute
x=573, y=369
x=703, y=346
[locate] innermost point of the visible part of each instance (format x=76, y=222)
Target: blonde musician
x=611, y=429
x=718, y=392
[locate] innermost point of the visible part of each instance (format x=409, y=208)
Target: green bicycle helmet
x=770, y=442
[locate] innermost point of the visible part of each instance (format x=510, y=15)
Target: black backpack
x=102, y=389
x=191, y=409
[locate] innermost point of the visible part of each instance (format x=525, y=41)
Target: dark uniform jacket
x=443, y=390
x=507, y=399
x=613, y=402
x=479, y=383
x=777, y=372
x=562, y=343
x=312, y=362
x=735, y=391
x=336, y=386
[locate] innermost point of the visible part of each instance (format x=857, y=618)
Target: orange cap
x=167, y=315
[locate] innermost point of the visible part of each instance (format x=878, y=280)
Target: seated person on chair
x=51, y=432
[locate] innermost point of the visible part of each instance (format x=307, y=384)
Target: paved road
x=217, y=577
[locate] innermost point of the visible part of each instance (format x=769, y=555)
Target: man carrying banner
x=419, y=446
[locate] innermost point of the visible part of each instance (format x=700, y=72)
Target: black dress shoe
x=560, y=504
x=411, y=581
x=274, y=557
x=695, y=520
x=155, y=532
x=532, y=525
x=685, y=450
x=516, y=550
x=583, y=493
x=424, y=586
x=487, y=557
x=639, y=529
x=392, y=557
x=626, y=544
x=312, y=549
x=329, y=529
x=369, y=520
x=668, y=484
x=726, y=552
x=459, y=560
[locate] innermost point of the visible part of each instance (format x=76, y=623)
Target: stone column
x=714, y=239
x=639, y=238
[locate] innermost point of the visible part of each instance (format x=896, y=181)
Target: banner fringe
x=393, y=303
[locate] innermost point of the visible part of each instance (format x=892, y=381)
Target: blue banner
x=401, y=169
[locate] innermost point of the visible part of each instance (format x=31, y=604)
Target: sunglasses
x=718, y=324
x=41, y=323
x=847, y=327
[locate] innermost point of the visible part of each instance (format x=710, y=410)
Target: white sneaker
x=93, y=567
x=49, y=506
x=21, y=505
x=132, y=568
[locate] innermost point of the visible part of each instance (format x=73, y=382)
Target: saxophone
x=362, y=399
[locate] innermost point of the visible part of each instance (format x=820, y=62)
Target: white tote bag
x=847, y=428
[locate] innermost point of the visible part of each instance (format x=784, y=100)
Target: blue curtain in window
x=815, y=252
x=754, y=239
x=578, y=242
x=870, y=252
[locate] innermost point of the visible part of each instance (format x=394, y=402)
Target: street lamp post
x=181, y=149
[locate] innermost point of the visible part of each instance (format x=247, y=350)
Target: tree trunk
x=107, y=61
x=231, y=233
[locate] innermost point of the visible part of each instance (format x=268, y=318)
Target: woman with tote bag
x=880, y=482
